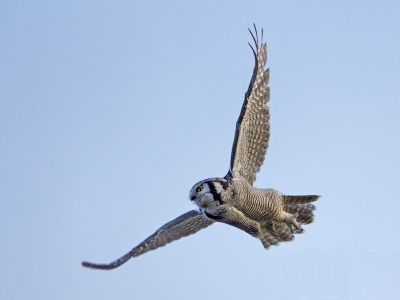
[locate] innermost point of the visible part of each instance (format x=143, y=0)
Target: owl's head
x=208, y=193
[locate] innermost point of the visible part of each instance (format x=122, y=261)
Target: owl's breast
x=257, y=204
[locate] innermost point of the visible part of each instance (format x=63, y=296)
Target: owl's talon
x=292, y=222
x=271, y=229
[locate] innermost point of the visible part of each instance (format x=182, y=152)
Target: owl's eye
x=199, y=189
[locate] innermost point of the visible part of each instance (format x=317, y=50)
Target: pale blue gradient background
x=111, y=111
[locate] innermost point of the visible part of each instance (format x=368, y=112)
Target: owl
x=265, y=214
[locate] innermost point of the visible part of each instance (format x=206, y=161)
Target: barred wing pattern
x=186, y=224
x=252, y=128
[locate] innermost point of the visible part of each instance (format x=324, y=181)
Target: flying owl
x=265, y=214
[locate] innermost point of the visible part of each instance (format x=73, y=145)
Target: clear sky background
x=111, y=110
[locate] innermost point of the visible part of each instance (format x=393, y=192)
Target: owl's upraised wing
x=252, y=127
x=184, y=225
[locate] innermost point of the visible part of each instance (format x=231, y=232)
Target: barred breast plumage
x=257, y=204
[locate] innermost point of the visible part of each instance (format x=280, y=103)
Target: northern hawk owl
x=263, y=213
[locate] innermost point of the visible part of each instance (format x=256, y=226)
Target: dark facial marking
x=192, y=198
x=214, y=192
x=212, y=217
x=224, y=183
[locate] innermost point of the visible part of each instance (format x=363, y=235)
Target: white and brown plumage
x=263, y=213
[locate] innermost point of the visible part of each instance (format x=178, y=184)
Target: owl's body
x=263, y=213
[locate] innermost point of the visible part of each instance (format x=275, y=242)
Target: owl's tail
x=302, y=206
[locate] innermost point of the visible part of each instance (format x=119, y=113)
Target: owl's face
x=201, y=195
x=207, y=194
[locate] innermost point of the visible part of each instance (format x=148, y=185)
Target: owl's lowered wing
x=184, y=225
x=252, y=127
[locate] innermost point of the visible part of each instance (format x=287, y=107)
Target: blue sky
x=111, y=111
